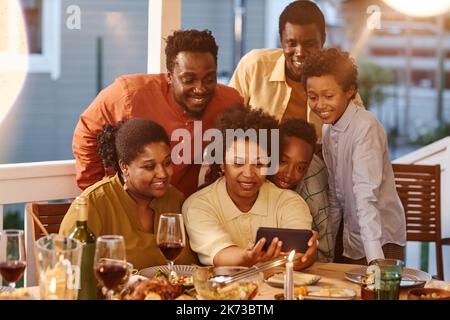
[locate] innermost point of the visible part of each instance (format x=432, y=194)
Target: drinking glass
x=111, y=267
x=171, y=238
x=388, y=275
x=58, y=261
x=12, y=256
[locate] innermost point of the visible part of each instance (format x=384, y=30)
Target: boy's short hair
x=333, y=62
x=300, y=129
x=302, y=13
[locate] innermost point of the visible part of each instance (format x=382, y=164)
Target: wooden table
x=332, y=275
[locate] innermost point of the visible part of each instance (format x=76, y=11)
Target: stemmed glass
x=12, y=256
x=111, y=267
x=171, y=238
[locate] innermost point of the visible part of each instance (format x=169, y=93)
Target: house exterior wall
x=40, y=125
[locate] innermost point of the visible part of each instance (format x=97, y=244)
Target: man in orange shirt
x=188, y=92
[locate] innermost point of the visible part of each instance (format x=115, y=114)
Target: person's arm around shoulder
x=110, y=106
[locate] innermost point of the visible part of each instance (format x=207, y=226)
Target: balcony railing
x=35, y=181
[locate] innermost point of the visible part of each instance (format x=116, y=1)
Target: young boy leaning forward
x=360, y=171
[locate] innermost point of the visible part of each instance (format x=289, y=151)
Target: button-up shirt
x=260, y=78
x=213, y=221
x=361, y=177
x=149, y=97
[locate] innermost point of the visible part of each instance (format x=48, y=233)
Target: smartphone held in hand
x=293, y=239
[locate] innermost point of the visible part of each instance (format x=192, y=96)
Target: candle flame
x=52, y=286
x=291, y=256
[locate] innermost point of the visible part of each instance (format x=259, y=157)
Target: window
x=41, y=22
x=32, y=14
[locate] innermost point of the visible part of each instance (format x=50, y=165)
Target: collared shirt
x=214, y=222
x=260, y=78
x=314, y=190
x=148, y=97
x=361, y=177
x=111, y=210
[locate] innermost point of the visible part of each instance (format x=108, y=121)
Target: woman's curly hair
x=245, y=118
x=125, y=140
x=333, y=62
x=191, y=41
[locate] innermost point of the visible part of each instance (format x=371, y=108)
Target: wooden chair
x=47, y=217
x=419, y=189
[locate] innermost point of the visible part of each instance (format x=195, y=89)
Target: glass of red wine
x=12, y=256
x=171, y=238
x=111, y=267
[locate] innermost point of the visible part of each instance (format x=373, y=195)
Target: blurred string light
x=420, y=8
x=13, y=54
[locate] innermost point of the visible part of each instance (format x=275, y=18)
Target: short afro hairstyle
x=332, y=62
x=125, y=140
x=301, y=13
x=189, y=40
x=245, y=118
x=300, y=129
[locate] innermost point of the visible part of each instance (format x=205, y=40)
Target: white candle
x=289, y=278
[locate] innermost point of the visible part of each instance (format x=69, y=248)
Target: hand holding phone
x=293, y=239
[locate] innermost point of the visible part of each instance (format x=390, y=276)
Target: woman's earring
x=124, y=177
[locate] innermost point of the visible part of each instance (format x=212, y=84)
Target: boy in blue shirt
x=356, y=154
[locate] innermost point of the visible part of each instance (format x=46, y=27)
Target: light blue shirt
x=361, y=180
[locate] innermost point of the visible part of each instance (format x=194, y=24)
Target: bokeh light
x=13, y=54
x=420, y=8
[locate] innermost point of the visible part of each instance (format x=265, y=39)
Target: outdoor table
x=332, y=275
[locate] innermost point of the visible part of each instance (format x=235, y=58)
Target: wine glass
x=171, y=238
x=12, y=256
x=111, y=267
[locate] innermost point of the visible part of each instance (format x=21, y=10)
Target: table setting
x=58, y=261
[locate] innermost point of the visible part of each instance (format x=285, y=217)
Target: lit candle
x=52, y=290
x=289, y=278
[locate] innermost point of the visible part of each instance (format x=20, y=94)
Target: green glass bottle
x=88, y=283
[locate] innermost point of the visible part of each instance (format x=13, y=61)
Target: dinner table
x=332, y=275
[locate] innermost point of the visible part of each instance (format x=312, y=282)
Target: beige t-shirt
x=213, y=221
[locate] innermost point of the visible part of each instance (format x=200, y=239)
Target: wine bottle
x=88, y=283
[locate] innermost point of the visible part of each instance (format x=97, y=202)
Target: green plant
x=442, y=131
x=13, y=220
x=371, y=80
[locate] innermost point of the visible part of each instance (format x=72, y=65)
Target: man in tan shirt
x=270, y=78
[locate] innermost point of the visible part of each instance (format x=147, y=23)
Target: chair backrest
x=419, y=189
x=50, y=216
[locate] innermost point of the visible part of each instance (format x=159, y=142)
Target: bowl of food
x=428, y=294
x=244, y=289
x=156, y=288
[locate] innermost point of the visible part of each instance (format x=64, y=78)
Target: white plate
x=300, y=279
x=180, y=269
x=410, y=277
x=327, y=293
